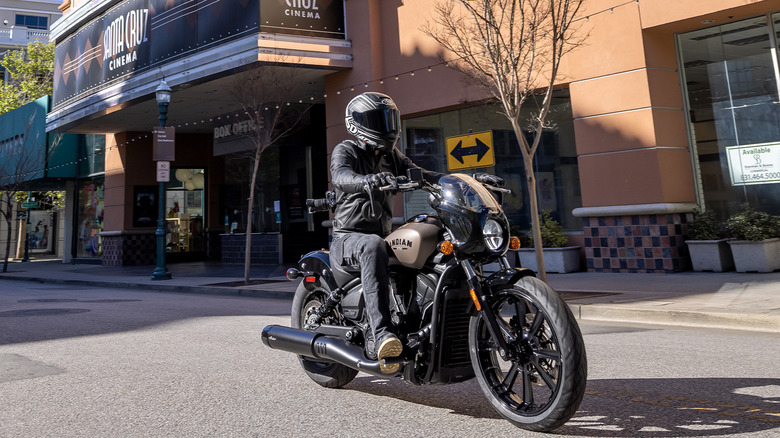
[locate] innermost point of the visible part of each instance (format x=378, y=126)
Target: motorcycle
x=456, y=319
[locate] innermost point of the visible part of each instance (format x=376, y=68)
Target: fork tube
x=486, y=313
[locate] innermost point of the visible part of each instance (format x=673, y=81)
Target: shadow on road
x=625, y=408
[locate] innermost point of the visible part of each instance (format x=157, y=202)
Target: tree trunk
x=8, y=223
x=248, y=242
x=535, y=223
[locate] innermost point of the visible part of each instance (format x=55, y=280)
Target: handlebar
x=405, y=187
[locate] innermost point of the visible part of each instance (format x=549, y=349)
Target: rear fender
x=317, y=264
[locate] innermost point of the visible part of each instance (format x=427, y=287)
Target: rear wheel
x=304, y=307
x=538, y=384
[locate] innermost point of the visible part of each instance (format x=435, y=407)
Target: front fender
x=508, y=276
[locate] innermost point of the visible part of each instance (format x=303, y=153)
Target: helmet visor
x=381, y=120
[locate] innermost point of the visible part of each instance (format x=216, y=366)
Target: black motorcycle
x=456, y=319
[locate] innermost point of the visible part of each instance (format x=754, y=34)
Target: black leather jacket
x=349, y=165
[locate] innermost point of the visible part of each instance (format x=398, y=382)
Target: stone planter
x=556, y=260
x=756, y=256
x=710, y=255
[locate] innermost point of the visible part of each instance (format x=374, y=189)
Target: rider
x=359, y=228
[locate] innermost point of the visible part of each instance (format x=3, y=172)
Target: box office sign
x=754, y=164
x=322, y=18
x=136, y=35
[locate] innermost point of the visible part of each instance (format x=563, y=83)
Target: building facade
x=652, y=116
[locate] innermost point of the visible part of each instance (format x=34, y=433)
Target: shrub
x=749, y=224
x=705, y=226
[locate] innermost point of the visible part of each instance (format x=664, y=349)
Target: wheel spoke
x=548, y=354
x=543, y=374
x=511, y=376
x=536, y=324
x=528, y=390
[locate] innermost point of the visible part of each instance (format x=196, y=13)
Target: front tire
x=327, y=374
x=541, y=383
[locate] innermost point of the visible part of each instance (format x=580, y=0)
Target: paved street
x=79, y=361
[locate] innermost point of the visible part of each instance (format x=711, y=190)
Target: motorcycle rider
x=359, y=228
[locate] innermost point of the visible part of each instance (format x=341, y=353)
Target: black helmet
x=374, y=119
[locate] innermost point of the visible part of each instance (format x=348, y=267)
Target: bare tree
x=21, y=163
x=513, y=48
x=267, y=96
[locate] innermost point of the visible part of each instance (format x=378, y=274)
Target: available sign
x=754, y=164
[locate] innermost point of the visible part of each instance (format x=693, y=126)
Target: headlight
x=494, y=234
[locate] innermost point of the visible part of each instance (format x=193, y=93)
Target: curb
x=201, y=290
x=680, y=318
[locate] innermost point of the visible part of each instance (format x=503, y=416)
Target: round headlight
x=494, y=234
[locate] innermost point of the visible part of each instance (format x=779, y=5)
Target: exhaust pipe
x=320, y=346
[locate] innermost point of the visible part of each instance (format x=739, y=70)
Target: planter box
x=558, y=260
x=710, y=255
x=756, y=256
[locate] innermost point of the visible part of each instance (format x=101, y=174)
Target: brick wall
x=636, y=243
x=265, y=248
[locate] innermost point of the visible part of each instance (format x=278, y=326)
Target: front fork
x=498, y=331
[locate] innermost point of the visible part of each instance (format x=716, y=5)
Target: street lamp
x=163, y=96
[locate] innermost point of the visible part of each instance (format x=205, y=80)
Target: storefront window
x=731, y=84
x=90, y=217
x=555, y=161
x=184, y=209
x=266, y=210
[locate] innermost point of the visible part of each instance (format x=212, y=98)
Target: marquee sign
x=321, y=18
x=134, y=36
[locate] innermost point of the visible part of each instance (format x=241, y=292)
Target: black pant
x=367, y=253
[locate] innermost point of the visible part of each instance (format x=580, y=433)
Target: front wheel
x=538, y=384
x=304, y=308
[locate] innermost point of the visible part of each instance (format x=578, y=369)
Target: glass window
x=184, y=208
x=32, y=21
x=266, y=211
x=555, y=162
x=732, y=89
x=90, y=217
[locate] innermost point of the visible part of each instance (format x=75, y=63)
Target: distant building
x=25, y=21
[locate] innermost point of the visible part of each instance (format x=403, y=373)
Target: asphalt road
x=88, y=362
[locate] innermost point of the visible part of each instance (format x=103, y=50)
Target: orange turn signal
x=514, y=243
x=476, y=301
x=445, y=247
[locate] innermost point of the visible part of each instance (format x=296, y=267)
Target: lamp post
x=163, y=95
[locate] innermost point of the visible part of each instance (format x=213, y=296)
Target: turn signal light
x=445, y=247
x=514, y=243
x=474, y=298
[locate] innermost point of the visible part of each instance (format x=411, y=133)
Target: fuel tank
x=415, y=241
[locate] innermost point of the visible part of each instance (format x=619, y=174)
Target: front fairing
x=464, y=207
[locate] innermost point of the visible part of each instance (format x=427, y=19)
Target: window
x=555, y=162
x=32, y=21
x=731, y=83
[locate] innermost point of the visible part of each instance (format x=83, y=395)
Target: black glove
x=486, y=178
x=381, y=179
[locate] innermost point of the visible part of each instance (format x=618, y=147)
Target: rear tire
x=541, y=385
x=327, y=374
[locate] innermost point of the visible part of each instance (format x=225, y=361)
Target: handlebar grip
x=316, y=205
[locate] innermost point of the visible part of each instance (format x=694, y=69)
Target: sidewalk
x=731, y=301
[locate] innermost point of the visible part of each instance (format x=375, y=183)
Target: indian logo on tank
x=401, y=244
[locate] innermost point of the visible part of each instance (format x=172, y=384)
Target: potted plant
x=706, y=243
x=557, y=256
x=756, y=244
